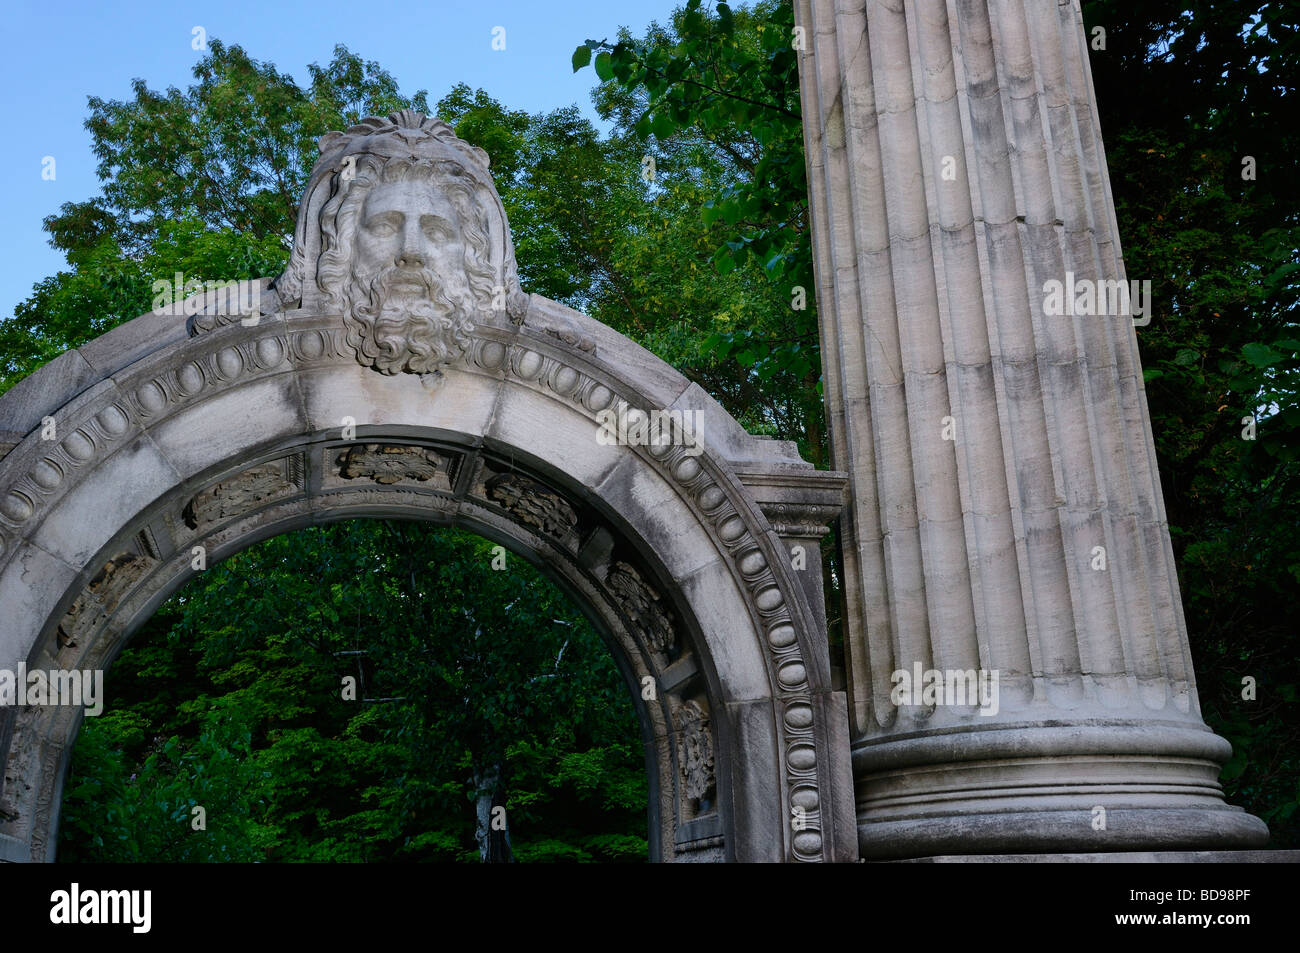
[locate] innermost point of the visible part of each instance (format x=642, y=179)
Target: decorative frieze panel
x=245, y=491
x=533, y=504
x=652, y=618
x=387, y=464
x=101, y=596
x=695, y=752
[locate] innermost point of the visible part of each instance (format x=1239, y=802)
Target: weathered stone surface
x=30, y=400
x=695, y=752
x=101, y=596
x=31, y=585
x=652, y=617
x=245, y=491
x=535, y=504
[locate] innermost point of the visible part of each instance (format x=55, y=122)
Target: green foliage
x=233, y=151
x=231, y=700
x=1223, y=253
x=719, y=96
x=148, y=815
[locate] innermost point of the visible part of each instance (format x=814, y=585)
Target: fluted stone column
x=1005, y=514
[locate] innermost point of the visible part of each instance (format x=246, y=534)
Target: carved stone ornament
x=203, y=323
x=533, y=504
x=101, y=595
x=809, y=520
x=388, y=464
x=244, y=491
x=401, y=232
x=643, y=607
x=695, y=751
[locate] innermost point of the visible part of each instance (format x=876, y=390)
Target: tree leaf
x=662, y=125
x=725, y=19
x=1261, y=355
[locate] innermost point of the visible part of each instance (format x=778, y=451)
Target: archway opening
x=366, y=690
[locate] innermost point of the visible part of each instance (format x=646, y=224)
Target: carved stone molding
x=805, y=520
x=387, y=464
x=533, y=504
x=203, y=323
x=643, y=606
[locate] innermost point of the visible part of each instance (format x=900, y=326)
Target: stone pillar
x=1005, y=514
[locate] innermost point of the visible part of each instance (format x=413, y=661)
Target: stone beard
x=407, y=261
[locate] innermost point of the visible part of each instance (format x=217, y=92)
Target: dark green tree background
x=233, y=700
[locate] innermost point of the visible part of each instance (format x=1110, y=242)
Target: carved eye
x=437, y=231
x=381, y=228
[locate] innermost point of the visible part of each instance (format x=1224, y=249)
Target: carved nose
x=410, y=259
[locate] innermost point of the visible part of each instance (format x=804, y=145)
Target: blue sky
x=57, y=54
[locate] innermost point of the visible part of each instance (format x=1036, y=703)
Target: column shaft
x=1005, y=515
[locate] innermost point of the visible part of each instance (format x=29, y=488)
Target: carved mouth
x=407, y=284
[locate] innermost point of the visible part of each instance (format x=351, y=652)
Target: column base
x=1087, y=787
x=1124, y=857
x=1060, y=832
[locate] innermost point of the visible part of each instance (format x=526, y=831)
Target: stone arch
x=169, y=434
x=397, y=368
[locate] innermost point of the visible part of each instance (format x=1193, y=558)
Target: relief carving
x=101, y=596
x=244, y=491
x=402, y=233
x=388, y=464
x=18, y=765
x=643, y=606
x=203, y=323
x=534, y=504
x=695, y=751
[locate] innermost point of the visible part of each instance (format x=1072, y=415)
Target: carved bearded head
x=402, y=232
x=406, y=260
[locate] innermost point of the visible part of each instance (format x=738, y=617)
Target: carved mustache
x=421, y=281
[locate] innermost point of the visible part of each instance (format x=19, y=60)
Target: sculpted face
x=408, y=226
x=407, y=267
